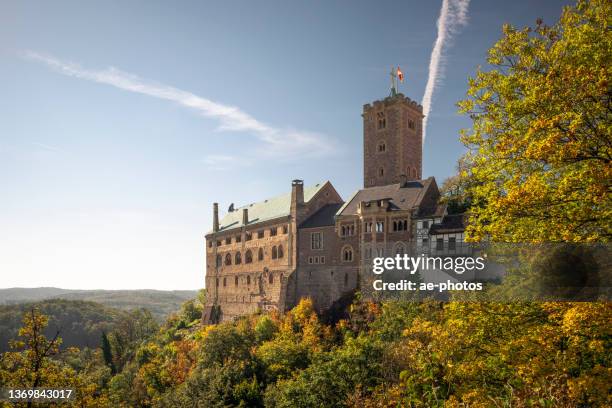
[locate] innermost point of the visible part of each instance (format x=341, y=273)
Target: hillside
x=160, y=303
x=80, y=323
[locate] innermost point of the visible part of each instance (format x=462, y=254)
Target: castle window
x=260, y=234
x=439, y=244
x=316, y=240
x=274, y=252
x=368, y=227
x=238, y=258
x=271, y=278
x=224, y=282
x=236, y=281
x=217, y=282
x=411, y=124
x=248, y=236
x=228, y=240
x=248, y=280
x=285, y=229
x=316, y=260
x=381, y=172
x=248, y=256
x=280, y=251
x=238, y=238
x=218, y=261
x=382, y=147
x=347, y=254
x=380, y=226
x=310, y=260
x=452, y=243
x=228, y=259
x=260, y=254
x=273, y=231
x=399, y=249
x=322, y=259
x=348, y=230
x=381, y=120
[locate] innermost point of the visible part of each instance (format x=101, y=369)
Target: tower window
x=260, y=255
x=411, y=124
x=316, y=240
x=382, y=147
x=347, y=254
x=381, y=120
x=381, y=172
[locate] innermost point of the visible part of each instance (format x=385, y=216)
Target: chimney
x=297, y=198
x=297, y=192
x=245, y=216
x=215, y=217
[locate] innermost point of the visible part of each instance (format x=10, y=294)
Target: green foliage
x=539, y=166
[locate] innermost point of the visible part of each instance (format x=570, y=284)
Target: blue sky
x=122, y=122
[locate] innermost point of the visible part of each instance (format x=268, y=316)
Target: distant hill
x=80, y=323
x=159, y=302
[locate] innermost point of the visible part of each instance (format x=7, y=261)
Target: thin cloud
x=453, y=16
x=277, y=141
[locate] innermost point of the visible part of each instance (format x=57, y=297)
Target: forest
x=537, y=170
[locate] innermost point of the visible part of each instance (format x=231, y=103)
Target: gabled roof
x=449, y=224
x=275, y=207
x=402, y=196
x=324, y=217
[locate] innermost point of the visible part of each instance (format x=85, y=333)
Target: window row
x=249, y=236
x=378, y=225
x=316, y=260
x=277, y=253
x=400, y=225
x=347, y=230
x=248, y=280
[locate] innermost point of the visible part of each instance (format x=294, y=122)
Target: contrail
x=453, y=15
x=286, y=142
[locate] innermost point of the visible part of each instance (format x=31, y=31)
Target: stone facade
x=392, y=141
x=309, y=243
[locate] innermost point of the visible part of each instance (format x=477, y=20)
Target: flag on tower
x=400, y=74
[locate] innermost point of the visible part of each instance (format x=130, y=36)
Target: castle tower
x=392, y=140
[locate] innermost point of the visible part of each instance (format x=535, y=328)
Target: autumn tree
x=540, y=143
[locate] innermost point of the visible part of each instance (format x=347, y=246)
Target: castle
x=311, y=243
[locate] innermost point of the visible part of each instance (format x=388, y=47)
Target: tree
x=108, y=354
x=541, y=144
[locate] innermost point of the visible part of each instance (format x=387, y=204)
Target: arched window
x=400, y=249
x=219, y=261
x=274, y=252
x=280, y=251
x=382, y=147
x=405, y=225
x=347, y=253
x=224, y=282
x=381, y=172
x=236, y=281
x=248, y=256
x=238, y=258
x=260, y=254
x=248, y=279
x=271, y=278
x=228, y=259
